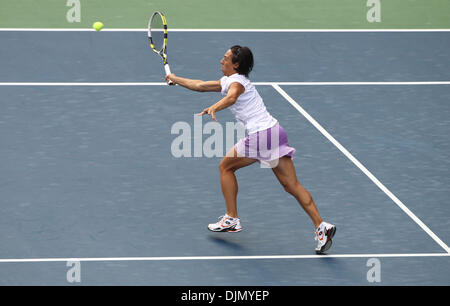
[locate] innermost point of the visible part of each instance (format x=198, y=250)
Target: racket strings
x=157, y=32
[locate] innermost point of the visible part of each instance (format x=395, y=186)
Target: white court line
x=255, y=83
x=352, y=83
x=361, y=167
x=82, y=83
x=190, y=258
x=221, y=30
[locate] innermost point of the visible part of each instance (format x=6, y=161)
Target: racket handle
x=167, y=69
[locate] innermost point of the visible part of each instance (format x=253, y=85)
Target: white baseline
x=190, y=258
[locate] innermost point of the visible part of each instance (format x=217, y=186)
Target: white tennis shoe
x=226, y=224
x=323, y=235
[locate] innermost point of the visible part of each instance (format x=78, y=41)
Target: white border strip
x=220, y=30
x=190, y=258
x=255, y=83
x=361, y=167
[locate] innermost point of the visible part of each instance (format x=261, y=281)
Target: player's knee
x=225, y=166
x=289, y=186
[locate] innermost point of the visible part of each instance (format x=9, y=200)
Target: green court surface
x=231, y=14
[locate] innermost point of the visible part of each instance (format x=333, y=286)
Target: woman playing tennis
x=241, y=97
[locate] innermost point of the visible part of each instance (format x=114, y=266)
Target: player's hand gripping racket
x=157, y=36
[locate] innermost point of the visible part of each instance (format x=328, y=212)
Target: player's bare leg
x=285, y=172
x=230, y=164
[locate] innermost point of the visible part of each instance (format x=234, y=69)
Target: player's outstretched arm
x=234, y=92
x=196, y=85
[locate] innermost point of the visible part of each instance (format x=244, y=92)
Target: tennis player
x=242, y=98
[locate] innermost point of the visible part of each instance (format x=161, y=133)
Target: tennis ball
x=98, y=26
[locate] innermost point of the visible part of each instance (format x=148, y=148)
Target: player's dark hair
x=244, y=57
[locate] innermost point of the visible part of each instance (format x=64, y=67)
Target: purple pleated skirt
x=266, y=146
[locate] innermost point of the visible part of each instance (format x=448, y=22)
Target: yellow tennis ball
x=98, y=26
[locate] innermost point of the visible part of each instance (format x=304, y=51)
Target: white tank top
x=249, y=108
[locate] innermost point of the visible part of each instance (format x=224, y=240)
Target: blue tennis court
x=88, y=175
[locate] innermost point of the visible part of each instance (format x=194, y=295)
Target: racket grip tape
x=167, y=69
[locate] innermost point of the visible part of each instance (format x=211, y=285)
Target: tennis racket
x=157, y=36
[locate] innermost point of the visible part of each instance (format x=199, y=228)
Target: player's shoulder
x=238, y=78
x=227, y=81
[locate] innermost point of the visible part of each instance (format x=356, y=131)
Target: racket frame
x=163, y=51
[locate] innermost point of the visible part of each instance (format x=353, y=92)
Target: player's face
x=228, y=68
